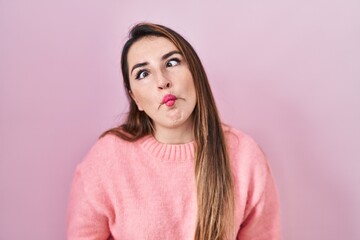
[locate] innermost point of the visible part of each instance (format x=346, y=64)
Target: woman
x=172, y=170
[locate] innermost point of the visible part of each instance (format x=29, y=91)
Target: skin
x=156, y=69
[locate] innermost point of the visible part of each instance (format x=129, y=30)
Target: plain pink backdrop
x=286, y=72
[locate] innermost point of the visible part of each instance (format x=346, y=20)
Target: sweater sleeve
x=85, y=218
x=261, y=220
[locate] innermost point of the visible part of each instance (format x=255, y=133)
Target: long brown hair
x=215, y=193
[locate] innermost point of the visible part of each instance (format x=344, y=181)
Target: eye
x=173, y=62
x=141, y=74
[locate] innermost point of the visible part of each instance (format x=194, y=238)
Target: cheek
x=191, y=86
x=142, y=97
x=137, y=96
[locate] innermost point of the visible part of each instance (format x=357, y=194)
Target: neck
x=175, y=135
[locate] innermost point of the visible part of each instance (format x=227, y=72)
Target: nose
x=163, y=82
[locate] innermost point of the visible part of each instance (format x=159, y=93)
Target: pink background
x=285, y=71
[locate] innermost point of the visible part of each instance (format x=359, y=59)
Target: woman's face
x=161, y=83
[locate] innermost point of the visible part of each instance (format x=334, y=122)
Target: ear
x=134, y=98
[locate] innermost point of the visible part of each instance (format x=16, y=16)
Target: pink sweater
x=146, y=190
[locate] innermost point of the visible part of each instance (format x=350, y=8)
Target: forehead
x=149, y=48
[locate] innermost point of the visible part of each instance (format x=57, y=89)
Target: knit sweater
x=147, y=190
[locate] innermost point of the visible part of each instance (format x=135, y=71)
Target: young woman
x=172, y=170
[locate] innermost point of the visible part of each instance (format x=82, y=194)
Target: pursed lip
x=168, y=97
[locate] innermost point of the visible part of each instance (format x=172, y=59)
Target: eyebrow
x=138, y=65
x=165, y=56
x=169, y=54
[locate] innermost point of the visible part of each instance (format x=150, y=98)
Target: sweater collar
x=168, y=152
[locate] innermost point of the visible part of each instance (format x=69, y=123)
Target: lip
x=169, y=100
x=168, y=97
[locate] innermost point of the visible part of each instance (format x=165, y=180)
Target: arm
x=86, y=215
x=262, y=221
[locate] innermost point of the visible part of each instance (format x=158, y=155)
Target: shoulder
x=240, y=141
x=246, y=156
x=103, y=155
